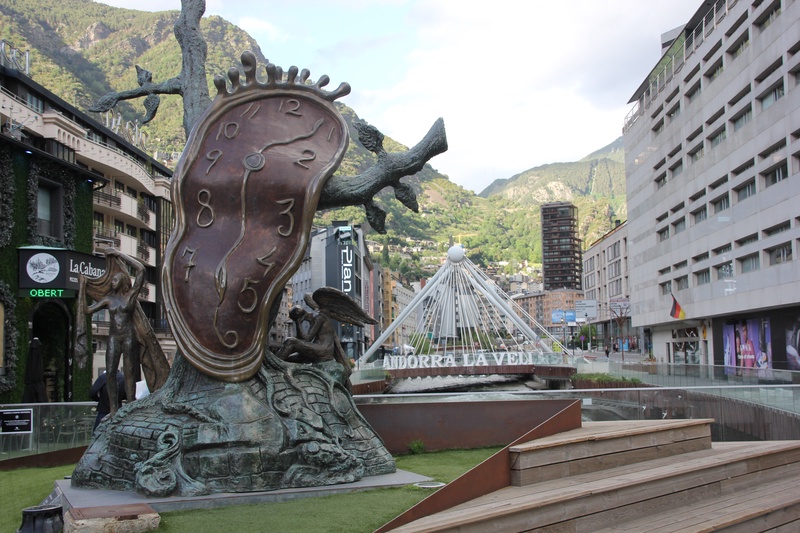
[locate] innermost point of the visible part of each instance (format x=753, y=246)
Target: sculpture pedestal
x=288, y=426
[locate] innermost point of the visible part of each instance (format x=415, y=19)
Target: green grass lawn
x=348, y=513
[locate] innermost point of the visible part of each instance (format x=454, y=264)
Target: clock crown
x=275, y=80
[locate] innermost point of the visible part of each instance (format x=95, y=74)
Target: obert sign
x=54, y=272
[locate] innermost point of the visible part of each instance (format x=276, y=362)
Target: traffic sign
x=586, y=309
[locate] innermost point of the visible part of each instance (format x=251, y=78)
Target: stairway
x=637, y=476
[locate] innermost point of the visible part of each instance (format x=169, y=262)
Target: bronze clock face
x=245, y=194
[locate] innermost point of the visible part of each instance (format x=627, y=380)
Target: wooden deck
x=635, y=477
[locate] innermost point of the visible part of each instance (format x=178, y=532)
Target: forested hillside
x=82, y=50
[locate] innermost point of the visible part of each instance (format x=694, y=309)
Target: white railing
x=675, y=59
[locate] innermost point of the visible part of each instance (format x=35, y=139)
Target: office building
x=713, y=186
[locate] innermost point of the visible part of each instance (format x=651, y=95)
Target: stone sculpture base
x=289, y=426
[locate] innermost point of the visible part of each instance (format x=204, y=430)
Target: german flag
x=677, y=310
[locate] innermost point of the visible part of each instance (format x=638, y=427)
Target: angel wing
x=339, y=306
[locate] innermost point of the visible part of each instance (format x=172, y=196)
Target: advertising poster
x=747, y=343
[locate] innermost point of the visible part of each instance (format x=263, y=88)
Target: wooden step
x=603, y=445
x=763, y=507
x=607, y=498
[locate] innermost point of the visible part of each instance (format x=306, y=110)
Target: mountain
x=82, y=50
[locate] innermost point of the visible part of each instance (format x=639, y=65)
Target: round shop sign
x=43, y=268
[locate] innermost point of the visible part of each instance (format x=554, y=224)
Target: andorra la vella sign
x=54, y=272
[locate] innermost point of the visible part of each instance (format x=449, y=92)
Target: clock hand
x=300, y=137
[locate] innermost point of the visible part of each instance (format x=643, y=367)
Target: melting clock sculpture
x=232, y=416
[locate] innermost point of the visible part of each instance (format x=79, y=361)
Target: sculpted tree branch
x=340, y=191
x=190, y=83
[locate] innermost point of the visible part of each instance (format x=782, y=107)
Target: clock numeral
x=292, y=107
x=230, y=334
x=213, y=156
x=189, y=264
x=205, y=204
x=247, y=287
x=289, y=202
x=228, y=130
x=263, y=260
x=251, y=110
x=308, y=155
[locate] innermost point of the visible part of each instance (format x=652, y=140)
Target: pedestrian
x=99, y=394
x=606, y=351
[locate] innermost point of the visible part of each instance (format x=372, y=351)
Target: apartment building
x=71, y=187
x=397, y=295
x=605, y=280
x=561, y=247
x=713, y=187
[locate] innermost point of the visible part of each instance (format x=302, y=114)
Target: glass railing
x=745, y=412
x=54, y=426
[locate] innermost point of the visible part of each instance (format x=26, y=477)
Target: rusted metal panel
x=447, y=425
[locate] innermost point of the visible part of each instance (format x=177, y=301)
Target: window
x=35, y=103
x=742, y=118
x=721, y=204
x=780, y=254
x=693, y=93
x=666, y=288
x=615, y=287
x=699, y=194
x=702, y=277
x=675, y=111
x=663, y=234
x=724, y=271
x=740, y=45
x=677, y=169
x=697, y=154
x=700, y=215
x=679, y=226
x=775, y=175
x=746, y=191
x=716, y=139
x=723, y=249
x=119, y=226
x=749, y=263
x=715, y=70
x=771, y=97
x=49, y=202
x=744, y=241
x=780, y=228
x=664, y=271
x=682, y=282
x=661, y=181
x=700, y=257
x=764, y=21
x=681, y=264
x=615, y=269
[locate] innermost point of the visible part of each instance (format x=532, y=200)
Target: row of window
x=772, y=175
x=776, y=255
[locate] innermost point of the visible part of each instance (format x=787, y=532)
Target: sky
x=518, y=83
